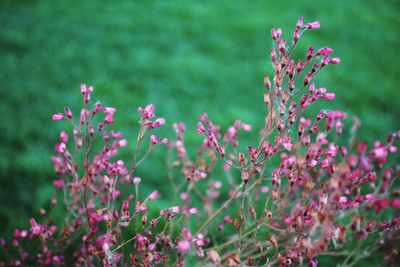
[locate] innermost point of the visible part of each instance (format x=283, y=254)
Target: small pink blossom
x=58, y=184
x=57, y=117
x=64, y=137
x=109, y=110
x=154, y=195
x=35, y=226
x=109, y=119
x=379, y=153
x=200, y=128
x=157, y=123
x=213, y=256
x=122, y=143
x=136, y=180
x=246, y=127
x=183, y=246
x=221, y=151
x=326, y=51
x=285, y=142
x=86, y=92
x=329, y=96
x=335, y=60
x=68, y=113
x=313, y=25
x=276, y=33
x=299, y=22
x=154, y=139
x=343, y=200
x=83, y=116
x=147, y=112
x=175, y=209
x=193, y=210
x=395, y=203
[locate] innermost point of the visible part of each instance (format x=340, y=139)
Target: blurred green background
x=207, y=56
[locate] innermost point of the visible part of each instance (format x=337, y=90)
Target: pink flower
x=83, y=116
x=183, y=246
x=300, y=22
x=109, y=119
x=276, y=33
x=193, y=210
x=64, y=137
x=57, y=117
x=246, y=127
x=157, y=123
x=285, y=142
x=326, y=51
x=310, y=52
x=335, y=60
x=125, y=205
x=175, y=209
x=221, y=151
x=35, y=226
x=200, y=128
x=154, y=195
x=313, y=25
x=379, y=153
x=122, y=143
x=109, y=110
x=329, y=96
x=147, y=112
x=154, y=139
x=136, y=180
x=343, y=200
x=86, y=92
x=396, y=203
x=213, y=256
x=68, y=113
x=58, y=184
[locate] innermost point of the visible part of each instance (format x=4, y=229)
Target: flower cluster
x=291, y=196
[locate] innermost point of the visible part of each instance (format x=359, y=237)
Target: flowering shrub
x=294, y=195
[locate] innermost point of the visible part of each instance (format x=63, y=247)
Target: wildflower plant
x=294, y=195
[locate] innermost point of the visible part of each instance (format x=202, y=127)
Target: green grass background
x=185, y=57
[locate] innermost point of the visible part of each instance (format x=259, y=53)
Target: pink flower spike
x=326, y=51
x=57, y=117
x=329, y=96
x=200, y=128
x=334, y=60
x=313, y=25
